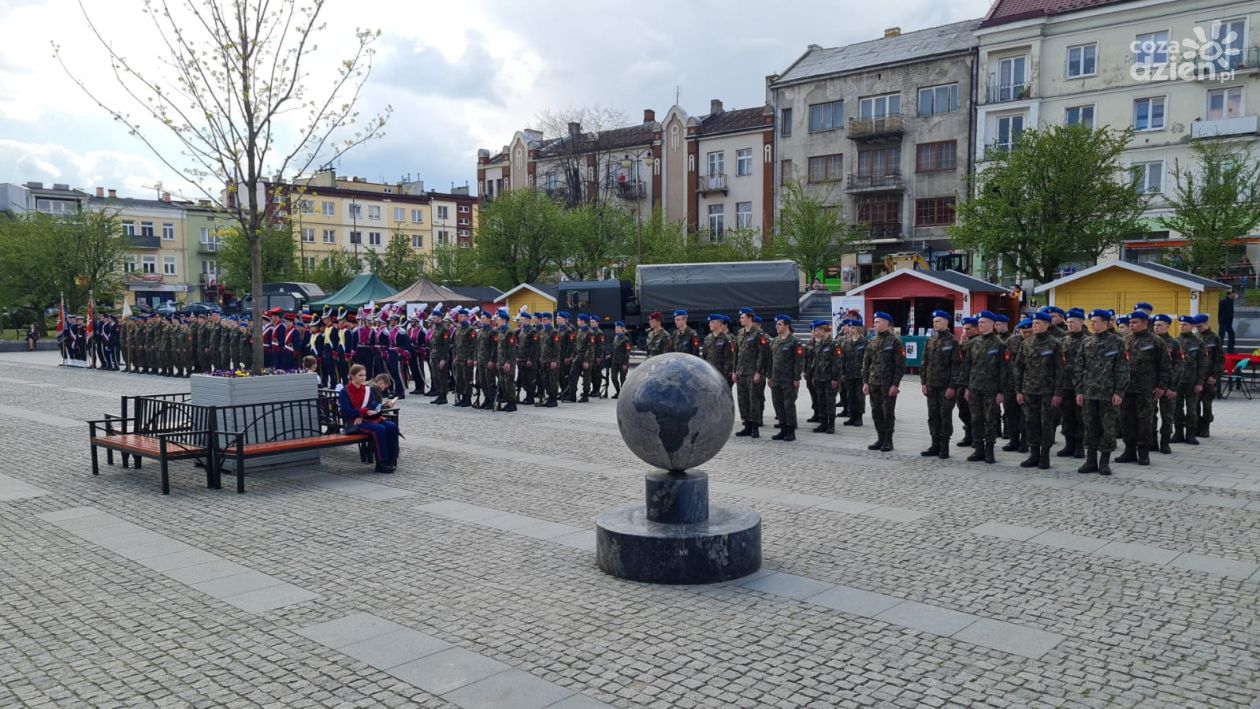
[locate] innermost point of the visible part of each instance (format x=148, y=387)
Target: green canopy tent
x=364, y=289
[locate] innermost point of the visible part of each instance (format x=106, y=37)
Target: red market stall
x=910, y=296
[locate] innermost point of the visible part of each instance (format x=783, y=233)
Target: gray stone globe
x=675, y=411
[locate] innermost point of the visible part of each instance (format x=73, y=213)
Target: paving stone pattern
x=1137, y=580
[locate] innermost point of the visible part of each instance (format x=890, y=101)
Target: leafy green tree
x=30, y=276
x=278, y=257
x=594, y=237
x=1215, y=200
x=335, y=270
x=518, y=237
x=810, y=232
x=454, y=266
x=1060, y=195
x=92, y=246
x=398, y=265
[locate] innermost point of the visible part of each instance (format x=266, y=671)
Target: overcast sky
x=459, y=75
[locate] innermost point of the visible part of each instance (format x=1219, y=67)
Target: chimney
x=100, y=192
x=892, y=32
x=649, y=116
x=575, y=128
x=715, y=107
x=166, y=197
x=113, y=194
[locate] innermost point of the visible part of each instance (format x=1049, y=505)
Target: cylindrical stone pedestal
x=677, y=537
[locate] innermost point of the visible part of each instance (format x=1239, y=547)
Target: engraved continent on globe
x=675, y=411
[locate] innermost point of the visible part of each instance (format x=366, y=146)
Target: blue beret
x=1163, y=318
x=1201, y=318
x=971, y=321
x=503, y=313
x=1143, y=306
x=1043, y=316
x=438, y=310
x=583, y=317
x=715, y=316
x=1046, y=309
x=881, y=315
x=1139, y=315
x=619, y=323
x=783, y=318
x=745, y=311
x=1187, y=319
x=1001, y=318
x=942, y=314
x=986, y=315
x=817, y=324
x=537, y=315
x=756, y=318
x=680, y=313
x=1025, y=324
x=1077, y=313
x=562, y=314
x=726, y=319
x=545, y=315
x=1122, y=320
x=1100, y=313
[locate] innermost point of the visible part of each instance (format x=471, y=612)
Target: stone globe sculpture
x=675, y=412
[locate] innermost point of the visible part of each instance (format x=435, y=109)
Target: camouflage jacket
x=621, y=350
x=1072, y=344
x=1039, y=367
x=1215, y=352
x=885, y=362
x=854, y=356
x=1178, y=359
x=658, y=342
x=827, y=362
x=1102, y=370
x=1194, y=362
x=787, y=360
x=986, y=364
x=719, y=351
x=686, y=341
x=942, y=361
x=1150, y=363
x=752, y=350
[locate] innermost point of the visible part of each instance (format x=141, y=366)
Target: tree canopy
x=811, y=233
x=1216, y=199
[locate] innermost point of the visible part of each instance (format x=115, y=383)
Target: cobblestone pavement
x=902, y=580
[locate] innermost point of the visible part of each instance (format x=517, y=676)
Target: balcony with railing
x=136, y=241
x=209, y=247
x=891, y=125
x=713, y=182
x=880, y=230
x=631, y=189
x=1001, y=93
x=887, y=182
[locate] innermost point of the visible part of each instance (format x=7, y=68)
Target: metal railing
x=864, y=183
x=136, y=241
x=714, y=182
x=876, y=126
x=999, y=93
x=631, y=189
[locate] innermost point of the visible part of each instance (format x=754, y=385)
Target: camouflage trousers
x=441, y=373
x=1186, y=412
x=783, y=397
x=1012, y=415
x=752, y=399
x=964, y=410
x=549, y=384
x=940, y=413
x=1136, y=414
x=1038, y=420
x=525, y=371
x=825, y=401
x=1101, y=420
x=1163, y=420
x=1206, y=397
x=1070, y=417
x=856, y=401
x=507, y=384
x=883, y=410
x=984, y=416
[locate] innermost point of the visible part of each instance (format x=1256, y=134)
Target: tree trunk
x=255, y=289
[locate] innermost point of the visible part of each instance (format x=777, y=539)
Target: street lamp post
x=626, y=162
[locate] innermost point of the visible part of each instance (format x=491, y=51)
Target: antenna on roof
x=677, y=93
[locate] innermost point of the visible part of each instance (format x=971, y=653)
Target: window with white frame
x=168, y=232
x=308, y=262
x=330, y=236
x=374, y=238
x=400, y=214
x=1012, y=78
x=879, y=106
x=717, y=162
x=417, y=216
x=308, y=235
x=443, y=238
x=1149, y=176
x=168, y=266
x=743, y=215
x=374, y=211
x=146, y=228
x=463, y=209
x=934, y=100
x=743, y=162
x=464, y=221
x=1009, y=128
x=129, y=228
x=717, y=220
x=210, y=267
x=328, y=209
x=129, y=263
x=1224, y=103
x=1151, y=48
x=443, y=212
x=417, y=241
x=306, y=206
x=1082, y=60
x=1148, y=113
x=148, y=264
x=1231, y=37
x=824, y=116
x=1083, y=115
x=356, y=211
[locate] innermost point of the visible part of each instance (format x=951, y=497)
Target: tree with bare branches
x=232, y=86
x=579, y=147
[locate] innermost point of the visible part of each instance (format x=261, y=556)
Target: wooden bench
x=162, y=428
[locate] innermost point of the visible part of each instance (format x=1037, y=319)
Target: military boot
x=1044, y=461
x=888, y=444
x=440, y=400
x=745, y=431
x=934, y=449
x=1078, y=449
x=789, y=433
x=551, y=403
x=755, y=432
x=1179, y=435
x=1190, y=439
x=1205, y=430
x=1091, y=462
x=855, y=420
x=1128, y=456
x=1104, y=463
x=779, y=436
x=820, y=428
x=1163, y=444
x=988, y=454
x=977, y=454
x=831, y=426
x=1143, y=455
x=966, y=439
x=1069, y=448
x=879, y=443
x=943, y=443
x=529, y=400
x=813, y=419
x=1012, y=444
x=1032, y=460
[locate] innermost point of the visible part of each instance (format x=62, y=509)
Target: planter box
x=234, y=391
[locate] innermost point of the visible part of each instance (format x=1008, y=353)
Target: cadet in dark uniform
x=941, y=375
x=1150, y=372
x=824, y=372
x=591, y=355
x=787, y=363
x=1069, y=410
x=970, y=330
x=550, y=345
x=443, y=347
x=527, y=341
x=1162, y=423
x=1039, y=377
x=1101, y=378
x=853, y=355
x=620, y=357
x=484, y=373
x=1012, y=412
x=986, y=371
x=599, y=352
x=658, y=341
x=1194, y=367
x=882, y=370
x=1214, y=349
x=752, y=348
x=684, y=339
x=506, y=355
x=719, y=348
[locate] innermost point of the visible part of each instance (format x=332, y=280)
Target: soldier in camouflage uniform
x=1150, y=370
x=658, y=341
x=824, y=370
x=970, y=331
x=1069, y=411
x=787, y=363
x=460, y=354
x=125, y=333
x=573, y=375
x=941, y=375
x=620, y=364
x=1012, y=412
x=684, y=339
x=719, y=348
x=527, y=340
x=1101, y=377
x=1214, y=349
x=507, y=353
x=486, y=350
x=986, y=367
x=752, y=349
x=549, y=346
x=599, y=360
x=882, y=369
x=853, y=355
x=592, y=355
x=1162, y=423
x=1194, y=368
x=440, y=359
x=1039, y=373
